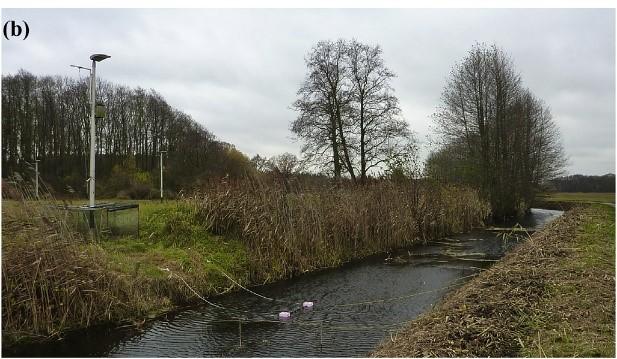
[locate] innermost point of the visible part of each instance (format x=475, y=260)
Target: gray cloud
x=237, y=71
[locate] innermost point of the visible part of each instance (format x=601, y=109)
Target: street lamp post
x=95, y=58
x=162, y=174
x=91, y=181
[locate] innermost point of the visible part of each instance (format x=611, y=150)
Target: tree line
x=47, y=118
x=582, y=183
x=496, y=134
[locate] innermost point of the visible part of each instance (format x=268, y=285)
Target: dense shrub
x=139, y=191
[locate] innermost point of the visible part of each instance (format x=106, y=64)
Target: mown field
x=581, y=197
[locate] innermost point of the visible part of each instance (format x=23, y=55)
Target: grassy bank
x=553, y=295
x=171, y=239
x=55, y=279
x=577, y=316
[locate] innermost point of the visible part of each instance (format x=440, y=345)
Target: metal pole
x=92, y=182
x=36, y=178
x=92, y=177
x=161, y=176
x=92, y=132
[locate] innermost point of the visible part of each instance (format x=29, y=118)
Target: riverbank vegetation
x=55, y=279
x=553, y=295
x=295, y=230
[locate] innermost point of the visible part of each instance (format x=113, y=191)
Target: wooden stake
x=321, y=337
x=240, y=331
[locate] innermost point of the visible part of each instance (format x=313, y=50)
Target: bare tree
x=286, y=164
x=260, y=163
x=48, y=118
x=322, y=103
x=347, y=110
x=375, y=107
x=507, y=134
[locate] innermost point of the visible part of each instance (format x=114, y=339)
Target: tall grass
x=293, y=231
x=53, y=279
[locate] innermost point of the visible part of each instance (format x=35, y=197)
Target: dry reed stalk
x=52, y=280
x=298, y=230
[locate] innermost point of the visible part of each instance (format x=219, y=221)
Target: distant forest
x=48, y=118
x=581, y=183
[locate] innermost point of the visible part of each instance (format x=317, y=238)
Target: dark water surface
x=355, y=307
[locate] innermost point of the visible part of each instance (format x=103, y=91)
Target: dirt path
x=553, y=295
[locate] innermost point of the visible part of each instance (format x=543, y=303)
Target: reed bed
x=290, y=231
x=53, y=279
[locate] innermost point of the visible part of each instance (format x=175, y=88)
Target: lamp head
x=99, y=57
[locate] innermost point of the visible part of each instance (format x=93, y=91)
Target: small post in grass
x=162, y=174
x=36, y=178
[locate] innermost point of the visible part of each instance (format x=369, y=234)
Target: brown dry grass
x=49, y=281
x=502, y=311
x=294, y=231
x=54, y=280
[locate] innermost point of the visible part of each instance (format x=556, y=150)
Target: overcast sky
x=237, y=71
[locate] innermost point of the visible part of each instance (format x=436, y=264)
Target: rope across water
x=232, y=312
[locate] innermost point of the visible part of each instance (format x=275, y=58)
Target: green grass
x=170, y=238
x=582, y=197
x=578, y=316
x=121, y=278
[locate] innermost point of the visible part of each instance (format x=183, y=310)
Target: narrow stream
x=355, y=307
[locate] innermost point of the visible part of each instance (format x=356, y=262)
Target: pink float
x=284, y=315
x=307, y=305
